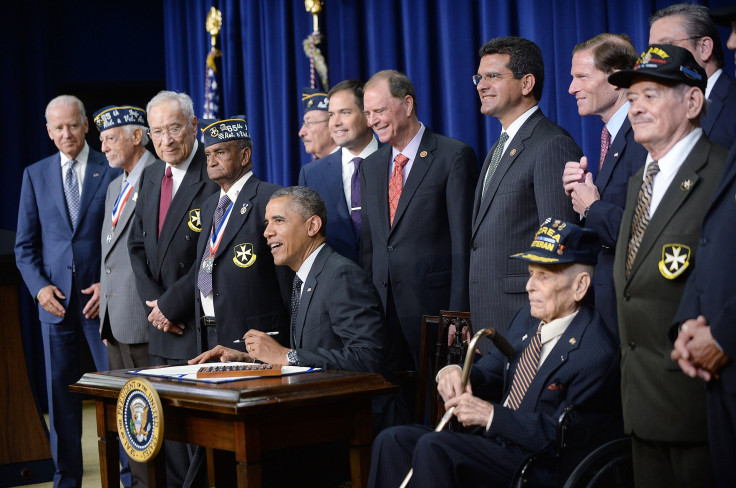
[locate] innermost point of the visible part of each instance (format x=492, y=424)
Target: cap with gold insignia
x=314, y=99
x=115, y=116
x=557, y=241
x=225, y=130
x=663, y=62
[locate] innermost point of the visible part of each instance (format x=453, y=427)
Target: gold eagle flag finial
x=213, y=24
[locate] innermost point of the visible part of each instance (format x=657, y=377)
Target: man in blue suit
x=57, y=250
x=601, y=204
x=691, y=27
x=337, y=177
x=563, y=356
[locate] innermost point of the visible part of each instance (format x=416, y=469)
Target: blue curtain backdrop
x=434, y=42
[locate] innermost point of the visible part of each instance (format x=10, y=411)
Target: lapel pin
x=135, y=196
x=243, y=210
x=615, y=155
x=572, y=341
x=513, y=152
x=423, y=154
x=524, y=338
x=95, y=175
x=685, y=186
x=309, y=289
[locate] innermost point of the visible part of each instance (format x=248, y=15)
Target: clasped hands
x=579, y=186
x=696, y=351
x=159, y=320
x=469, y=410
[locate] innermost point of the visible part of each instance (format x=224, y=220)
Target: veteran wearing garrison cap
x=238, y=287
x=563, y=355
x=315, y=130
x=664, y=410
x=122, y=316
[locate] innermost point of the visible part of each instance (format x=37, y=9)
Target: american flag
x=212, y=86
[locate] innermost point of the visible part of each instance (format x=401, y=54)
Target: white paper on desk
x=188, y=372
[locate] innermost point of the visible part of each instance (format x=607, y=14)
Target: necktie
x=204, y=279
x=641, y=215
x=495, y=158
x=355, y=195
x=396, y=185
x=296, y=295
x=71, y=192
x=605, y=145
x=167, y=185
x=525, y=370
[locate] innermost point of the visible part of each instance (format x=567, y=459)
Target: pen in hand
x=271, y=333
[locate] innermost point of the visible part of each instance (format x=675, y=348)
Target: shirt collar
x=134, y=175
x=234, y=190
x=617, y=120
x=306, y=266
x=410, y=151
x=347, y=156
x=557, y=327
x=81, y=157
x=670, y=163
x=712, y=82
x=182, y=168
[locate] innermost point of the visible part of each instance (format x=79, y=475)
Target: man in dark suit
x=57, y=250
x=691, y=27
x=123, y=321
x=664, y=410
x=706, y=343
x=519, y=180
x=601, y=204
x=163, y=241
x=337, y=177
x=237, y=284
x=564, y=356
x=415, y=224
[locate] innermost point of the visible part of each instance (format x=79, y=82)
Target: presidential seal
x=244, y=255
x=675, y=260
x=195, y=222
x=140, y=420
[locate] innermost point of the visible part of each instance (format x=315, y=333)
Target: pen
x=271, y=333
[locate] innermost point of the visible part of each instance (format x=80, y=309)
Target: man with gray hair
x=57, y=250
x=123, y=321
x=163, y=242
x=691, y=27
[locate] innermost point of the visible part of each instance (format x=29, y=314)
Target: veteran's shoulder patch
x=675, y=260
x=245, y=255
x=195, y=220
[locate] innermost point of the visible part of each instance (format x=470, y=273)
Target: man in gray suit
x=123, y=323
x=664, y=410
x=519, y=179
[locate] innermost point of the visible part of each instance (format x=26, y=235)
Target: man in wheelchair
x=564, y=355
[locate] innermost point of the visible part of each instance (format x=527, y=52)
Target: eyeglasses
x=312, y=123
x=172, y=131
x=672, y=42
x=492, y=77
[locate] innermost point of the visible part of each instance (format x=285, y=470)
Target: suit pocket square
x=556, y=387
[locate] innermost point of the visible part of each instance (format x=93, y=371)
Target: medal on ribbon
x=214, y=241
x=117, y=209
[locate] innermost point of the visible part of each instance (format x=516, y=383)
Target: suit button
x=474, y=247
x=390, y=248
x=384, y=284
x=703, y=241
x=632, y=345
x=181, y=265
x=144, y=233
x=187, y=237
x=627, y=297
x=108, y=270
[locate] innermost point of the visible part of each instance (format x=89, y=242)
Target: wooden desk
x=247, y=417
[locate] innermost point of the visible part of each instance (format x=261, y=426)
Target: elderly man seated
x=563, y=355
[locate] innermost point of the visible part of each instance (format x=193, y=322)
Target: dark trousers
x=671, y=464
x=62, y=349
x=721, y=409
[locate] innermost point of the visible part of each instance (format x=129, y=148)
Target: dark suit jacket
x=340, y=323
x=424, y=254
x=625, y=157
x=710, y=290
x=719, y=122
x=659, y=402
x=46, y=247
x=325, y=177
x=161, y=266
x=523, y=192
x=581, y=370
x=247, y=293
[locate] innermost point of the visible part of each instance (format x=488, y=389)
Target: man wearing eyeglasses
x=519, y=181
x=315, y=131
x=163, y=243
x=690, y=26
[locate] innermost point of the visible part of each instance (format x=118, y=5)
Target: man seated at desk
x=564, y=355
x=336, y=315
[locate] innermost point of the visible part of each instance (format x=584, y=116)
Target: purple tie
x=355, y=195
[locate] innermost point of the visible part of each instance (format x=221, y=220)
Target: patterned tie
x=396, y=185
x=71, y=192
x=167, y=185
x=605, y=145
x=204, y=279
x=355, y=195
x=641, y=215
x=296, y=296
x=525, y=370
x=495, y=158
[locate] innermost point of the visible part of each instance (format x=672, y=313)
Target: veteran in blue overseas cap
x=315, y=131
x=115, y=116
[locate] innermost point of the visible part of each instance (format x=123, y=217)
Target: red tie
x=396, y=185
x=167, y=184
x=605, y=145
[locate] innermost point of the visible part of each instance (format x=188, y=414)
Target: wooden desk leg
x=360, y=446
x=108, y=447
x=248, y=455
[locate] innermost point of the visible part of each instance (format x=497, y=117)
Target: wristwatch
x=292, y=357
x=585, y=212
